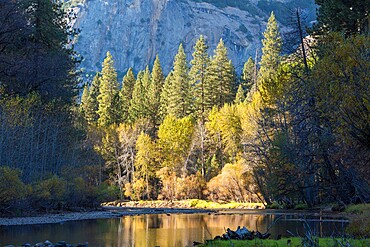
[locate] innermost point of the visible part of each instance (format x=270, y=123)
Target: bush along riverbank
x=359, y=216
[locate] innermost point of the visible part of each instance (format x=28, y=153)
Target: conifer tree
x=108, y=91
x=165, y=96
x=221, y=77
x=348, y=17
x=92, y=105
x=240, y=96
x=247, y=78
x=128, y=84
x=136, y=99
x=198, y=76
x=84, y=99
x=139, y=101
x=270, y=59
x=271, y=50
x=180, y=97
x=35, y=50
x=155, y=91
x=146, y=82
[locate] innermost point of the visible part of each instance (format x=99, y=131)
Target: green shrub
x=358, y=209
x=359, y=225
x=274, y=205
x=50, y=193
x=193, y=203
x=12, y=189
x=302, y=206
x=107, y=193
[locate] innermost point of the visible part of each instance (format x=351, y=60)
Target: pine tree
x=165, y=96
x=139, y=101
x=108, y=93
x=270, y=51
x=92, y=105
x=128, y=84
x=84, y=99
x=198, y=77
x=240, y=96
x=349, y=17
x=221, y=78
x=180, y=97
x=247, y=78
x=154, y=92
x=36, y=55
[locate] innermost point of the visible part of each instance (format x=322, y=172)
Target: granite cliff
x=134, y=31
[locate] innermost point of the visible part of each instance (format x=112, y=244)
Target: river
x=171, y=230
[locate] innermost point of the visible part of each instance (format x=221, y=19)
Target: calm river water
x=168, y=230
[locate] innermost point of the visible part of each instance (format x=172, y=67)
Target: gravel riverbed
x=106, y=213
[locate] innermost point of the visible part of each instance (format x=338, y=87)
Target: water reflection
x=165, y=230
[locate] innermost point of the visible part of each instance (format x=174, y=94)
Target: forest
x=291, y=128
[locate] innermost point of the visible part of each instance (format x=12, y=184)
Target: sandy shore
x=108, y=212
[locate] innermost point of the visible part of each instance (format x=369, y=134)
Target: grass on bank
x=196, y=203
x=359, y=217
x=325, y=242
x=190, y=203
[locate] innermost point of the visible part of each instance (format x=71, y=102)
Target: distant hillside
x=136, y=30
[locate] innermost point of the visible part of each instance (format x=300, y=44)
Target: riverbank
x=107, y=213
x=289, y=242
x=187, y=204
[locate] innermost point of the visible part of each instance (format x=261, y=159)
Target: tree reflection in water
x=167, y=230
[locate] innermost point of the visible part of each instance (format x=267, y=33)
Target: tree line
x=293, y=128
x=42, y=163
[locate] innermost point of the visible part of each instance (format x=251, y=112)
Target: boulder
x=48, y=243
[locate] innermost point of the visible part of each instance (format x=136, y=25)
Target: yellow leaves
x=249, y=115
x=231, y=184
x=18, y=111
x=144, y=161
x=174, y=139
x=342, y=83
x=11, y=186
x=226, y=124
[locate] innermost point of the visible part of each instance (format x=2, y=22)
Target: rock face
x=134, y=31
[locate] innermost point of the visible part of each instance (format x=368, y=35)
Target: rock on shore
x=47, y=243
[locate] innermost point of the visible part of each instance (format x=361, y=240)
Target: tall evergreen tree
x=271, y=50
x=154, y=92
x=349, y=17
x=198, y=77
x=270, y=59
x=221, y=77
x=128, y=84
x=84, y=99
x=108, y=92
x=240, y=96
x=138, y=102
x=165, y=96
x=36, y=55
x=180, y=98
x=91, y=106
x=247, y=78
